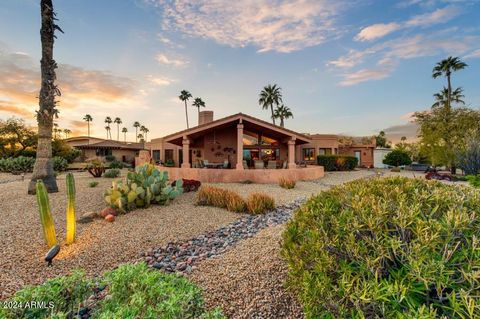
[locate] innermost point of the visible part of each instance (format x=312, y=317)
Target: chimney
x=205, y=117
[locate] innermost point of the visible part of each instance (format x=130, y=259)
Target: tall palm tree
x=142, y=129
x=118, y=121
x=124, y=131
x=185, y=96
x=140, y=137
x=136, y=125
x=67, y=132
x=43, y=168
x=108, y=120
x=198, y=103
x=445, y=68
x=107, y=128
x=270, y=95
x=441, y=98
x=145, y=131
x=88, y=118
x=282, y=112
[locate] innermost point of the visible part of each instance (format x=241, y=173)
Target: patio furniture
x=272, y=165
x=259, y=164
x=245, y=165
x=204, y=164
x=285, y=165
x=225, y=164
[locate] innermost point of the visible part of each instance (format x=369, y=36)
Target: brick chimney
x=205, y=117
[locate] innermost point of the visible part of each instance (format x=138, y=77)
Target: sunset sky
x=352, y=67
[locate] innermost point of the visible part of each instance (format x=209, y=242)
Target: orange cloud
x=11, y=108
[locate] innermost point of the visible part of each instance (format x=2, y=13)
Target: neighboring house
x=379, y=155
x=97, y=148
x=362, y=148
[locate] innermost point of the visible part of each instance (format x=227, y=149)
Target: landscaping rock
x=110, y=218
x=108, y=211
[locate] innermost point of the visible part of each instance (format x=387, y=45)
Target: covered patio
x=238, y=148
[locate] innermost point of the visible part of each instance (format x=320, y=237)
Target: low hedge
x=387, y=248
x=337, y=162
x=17, y=164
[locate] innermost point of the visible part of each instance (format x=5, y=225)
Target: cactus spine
x=71, y=218
x=45, y=214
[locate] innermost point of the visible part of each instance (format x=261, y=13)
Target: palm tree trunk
x=125, y=137
x=118, y=132
x=136, y=134
x=43, y=169
x=281, y=122
x=186, y=113
x=273, y=118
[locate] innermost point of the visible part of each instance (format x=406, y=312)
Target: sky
x=345, y=67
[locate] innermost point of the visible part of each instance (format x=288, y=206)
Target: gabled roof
x=237, y=118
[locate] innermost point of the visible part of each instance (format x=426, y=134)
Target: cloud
x=380, y=30
x=364, y=75
x=176, y=62
x=376, y=31
x=269, y=25
x=13, y=109
x=160, y=81
x=409, y=130
x=473, y=55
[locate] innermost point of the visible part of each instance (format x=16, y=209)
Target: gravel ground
x=248, y=281
x=100, y=245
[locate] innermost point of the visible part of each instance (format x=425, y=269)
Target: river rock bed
x=181, y=257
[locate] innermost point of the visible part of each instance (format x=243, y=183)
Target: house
x=97, y=148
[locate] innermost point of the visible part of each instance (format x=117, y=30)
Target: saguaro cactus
x=71, y=218
x=45, y=214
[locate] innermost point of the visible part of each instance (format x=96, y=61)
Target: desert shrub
x=112, y=173
x=95, y=168
x=110, y=158
x=62, y=149
x=259, y=203
x=387, y=248
x=92, y=184
x=17, y=164
x=135, y=291
x=474, y=180
x=469, y=159
x=116, y=164
x=219, y=197
x=286, y=183
x=397, y=158
x=61, y=296
x=59, y=164
x=337, y=162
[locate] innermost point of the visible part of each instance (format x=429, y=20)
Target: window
x=103, y=152
x=250, y=138
x=269, y=141
x=168, y=155
x=308, y=154
x=324, y=151
x=268, y=154
x=156, y=155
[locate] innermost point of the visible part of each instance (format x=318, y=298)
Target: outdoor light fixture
x=52, y=253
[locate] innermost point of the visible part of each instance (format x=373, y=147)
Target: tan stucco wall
x=366, y=158
x=318, y=142
x=90, y=154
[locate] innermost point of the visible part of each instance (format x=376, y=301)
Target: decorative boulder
x=110, y=218
x=108, y=211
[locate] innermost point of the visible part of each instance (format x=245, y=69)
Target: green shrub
x=61, y=296
x=17, y=164
x=116, y=164
x=286, y=183
x=110, y=158
x=59, y=164
x=219, y=197
x=387, y=248
x=259, y=203
x=169, y=163
x=112, y=173
x=92, y=184
x=474, y=180
x=135, y=291
x=397, y=158
x=62, y=149
x=337, y=162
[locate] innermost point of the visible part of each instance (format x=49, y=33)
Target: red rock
x=108, y=211
x=110, y=218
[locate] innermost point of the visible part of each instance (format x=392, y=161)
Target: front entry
x=358, y=155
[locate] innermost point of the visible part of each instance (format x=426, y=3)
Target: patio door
x=358, y=155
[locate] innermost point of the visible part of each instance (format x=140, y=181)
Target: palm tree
x=124, y=131
x=108, y=120
x=270, y=95
x=118, y=121
x=43, y=168
x=145, y=131
x=142, y=129
x=55, y=130
x=445, y=68
x=282, y=112
x=67, y=132
x=136, y=125
x=441, y=98
x=185, y=96
x=140, y=137
x=88, y=118
x=107, y=128
x=198, y=103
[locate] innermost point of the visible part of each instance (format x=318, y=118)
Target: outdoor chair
x=225, y=164
x=245, y=165
x=272, y=165
x=285, y=165
x=259, y=164
x=205, y=164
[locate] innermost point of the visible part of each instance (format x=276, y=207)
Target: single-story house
x=97, y=148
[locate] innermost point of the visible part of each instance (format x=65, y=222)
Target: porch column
x=239, y=146
x=333, y=151
x=186, y=152
x=291, y=153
